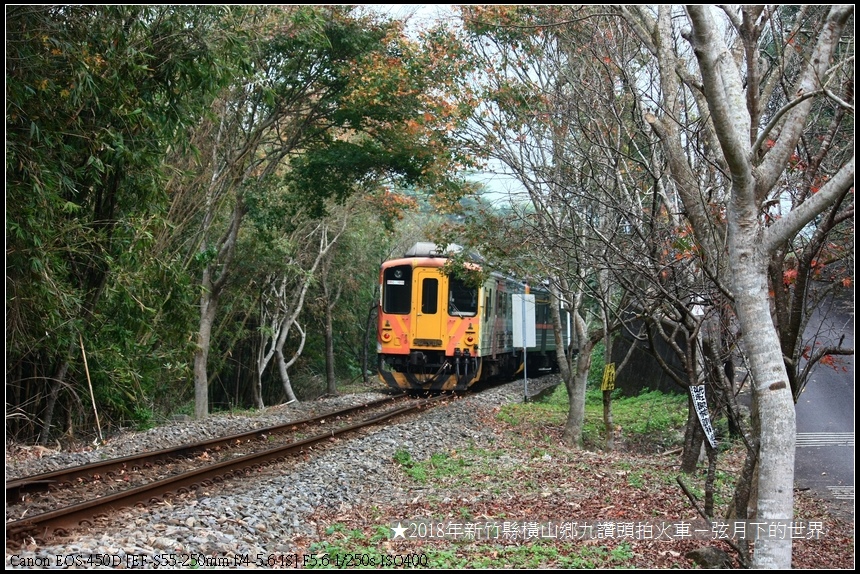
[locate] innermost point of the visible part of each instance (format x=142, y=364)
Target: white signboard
x=701, y=404
x=524, y=321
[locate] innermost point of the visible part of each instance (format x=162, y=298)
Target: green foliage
x=598, y=364
x=144, y=417
x=348, y=93
x=106, y=191
x=462, y=266
x=636, y=479
x=338, y=166
x=441, y=465
x=96, y=96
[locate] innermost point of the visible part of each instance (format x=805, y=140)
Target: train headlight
x=386, y=336
x=470, y=340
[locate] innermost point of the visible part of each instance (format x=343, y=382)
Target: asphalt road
x=824, y=456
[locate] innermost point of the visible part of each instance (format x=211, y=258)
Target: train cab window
x=397, y=290
x=430, y=296
x=462, y=299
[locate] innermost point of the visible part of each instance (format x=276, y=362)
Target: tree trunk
x=576, y=386
x=283, y=369
x=608, y=423
x=57, y=382
x=693, y=438
x=284, y=365
x=574, y=382
x=734, y=102
x=201, y=354
x=709, y=482
x=370, y=327
x=211, y=288
x=720, y=367
x=773, y=398
x=257, y=385
x=331, y=383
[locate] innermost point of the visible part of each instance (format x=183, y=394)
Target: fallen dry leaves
x=533, y=477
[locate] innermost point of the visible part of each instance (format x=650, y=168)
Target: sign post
x=523, y=307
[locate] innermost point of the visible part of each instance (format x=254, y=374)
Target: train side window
x=541, y=312
x=487, y=303
x=462, y=299
x=429, y=296
x=397, y=290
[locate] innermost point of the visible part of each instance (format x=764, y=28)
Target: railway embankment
x=466, y=462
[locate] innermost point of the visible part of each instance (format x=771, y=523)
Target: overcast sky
x=417, y=15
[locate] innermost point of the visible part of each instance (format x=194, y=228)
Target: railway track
x=43, y=506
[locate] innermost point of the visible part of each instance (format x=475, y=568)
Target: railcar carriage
x=438, y=333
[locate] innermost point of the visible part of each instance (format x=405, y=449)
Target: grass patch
x=731, y=453
x=636, y=479
x=549, y=410
x=473, y=467
x=410, y=466
x=347, y=545
x=530, y=556
x=361, y=548
x=646, y=413
x=650, y=421
x=357, y=385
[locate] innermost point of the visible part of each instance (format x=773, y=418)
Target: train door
x=429, y=316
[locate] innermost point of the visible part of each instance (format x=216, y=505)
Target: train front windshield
x=397, y=290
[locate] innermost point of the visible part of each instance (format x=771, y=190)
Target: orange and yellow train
x=438, y=333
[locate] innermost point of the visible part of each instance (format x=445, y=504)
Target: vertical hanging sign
x=608, y=383
x=700, y=402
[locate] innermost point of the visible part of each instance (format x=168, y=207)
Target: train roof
x=430, y=249
x=429, y=254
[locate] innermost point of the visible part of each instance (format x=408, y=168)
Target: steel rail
x=62, y=520
x=15, y=489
